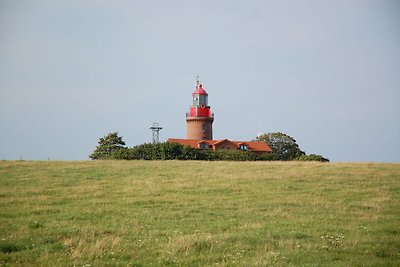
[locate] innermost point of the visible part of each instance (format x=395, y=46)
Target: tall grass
x=176, y=213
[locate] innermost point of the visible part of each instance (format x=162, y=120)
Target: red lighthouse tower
x=200, y=118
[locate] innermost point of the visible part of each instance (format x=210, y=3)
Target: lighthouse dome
x=200, y=90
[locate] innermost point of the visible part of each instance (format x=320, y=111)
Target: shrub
x=268, y=157
x=160, y=151
x=312, y=157
x=234, y=155
x=175, y=151
x=124, y=154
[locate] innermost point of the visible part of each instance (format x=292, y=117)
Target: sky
x=325, y=72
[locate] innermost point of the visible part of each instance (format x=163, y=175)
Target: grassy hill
x=175, y=213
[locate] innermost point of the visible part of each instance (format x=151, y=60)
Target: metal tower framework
x=156, y=132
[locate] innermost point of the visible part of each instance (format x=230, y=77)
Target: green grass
x=176, y=213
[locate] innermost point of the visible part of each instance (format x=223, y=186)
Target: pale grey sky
x=324, y=72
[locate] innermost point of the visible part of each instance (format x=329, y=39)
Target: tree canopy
x=283, y=146
x=108, y=145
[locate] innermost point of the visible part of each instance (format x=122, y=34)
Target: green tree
x=283, y=146
x=107, y=146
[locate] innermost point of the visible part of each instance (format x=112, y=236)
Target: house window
x=203, y=127
x=203, y=145
x=244, y=147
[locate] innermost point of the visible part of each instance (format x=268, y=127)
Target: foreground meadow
x=175, y=213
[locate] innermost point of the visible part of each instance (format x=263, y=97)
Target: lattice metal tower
x=156, y=132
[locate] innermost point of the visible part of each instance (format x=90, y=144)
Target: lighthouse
x=199, y=119
x=199, y=134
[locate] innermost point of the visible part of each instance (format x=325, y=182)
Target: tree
x=107, y=146
x=283, y=146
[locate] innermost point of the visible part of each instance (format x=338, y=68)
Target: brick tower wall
x=199, y=128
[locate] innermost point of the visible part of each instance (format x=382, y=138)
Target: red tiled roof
x=252, y=145
x=259, y=146
x=185, y=142
x=219, y=142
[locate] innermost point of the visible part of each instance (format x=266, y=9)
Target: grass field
x=175, y=213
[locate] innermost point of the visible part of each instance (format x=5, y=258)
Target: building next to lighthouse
x=199, y=133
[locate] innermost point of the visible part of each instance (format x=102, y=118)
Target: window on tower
x=203, y=100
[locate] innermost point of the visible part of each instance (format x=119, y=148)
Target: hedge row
x=174, y=151
x=312, y=157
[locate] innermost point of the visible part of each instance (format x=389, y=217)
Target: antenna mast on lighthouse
x=197, y=80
